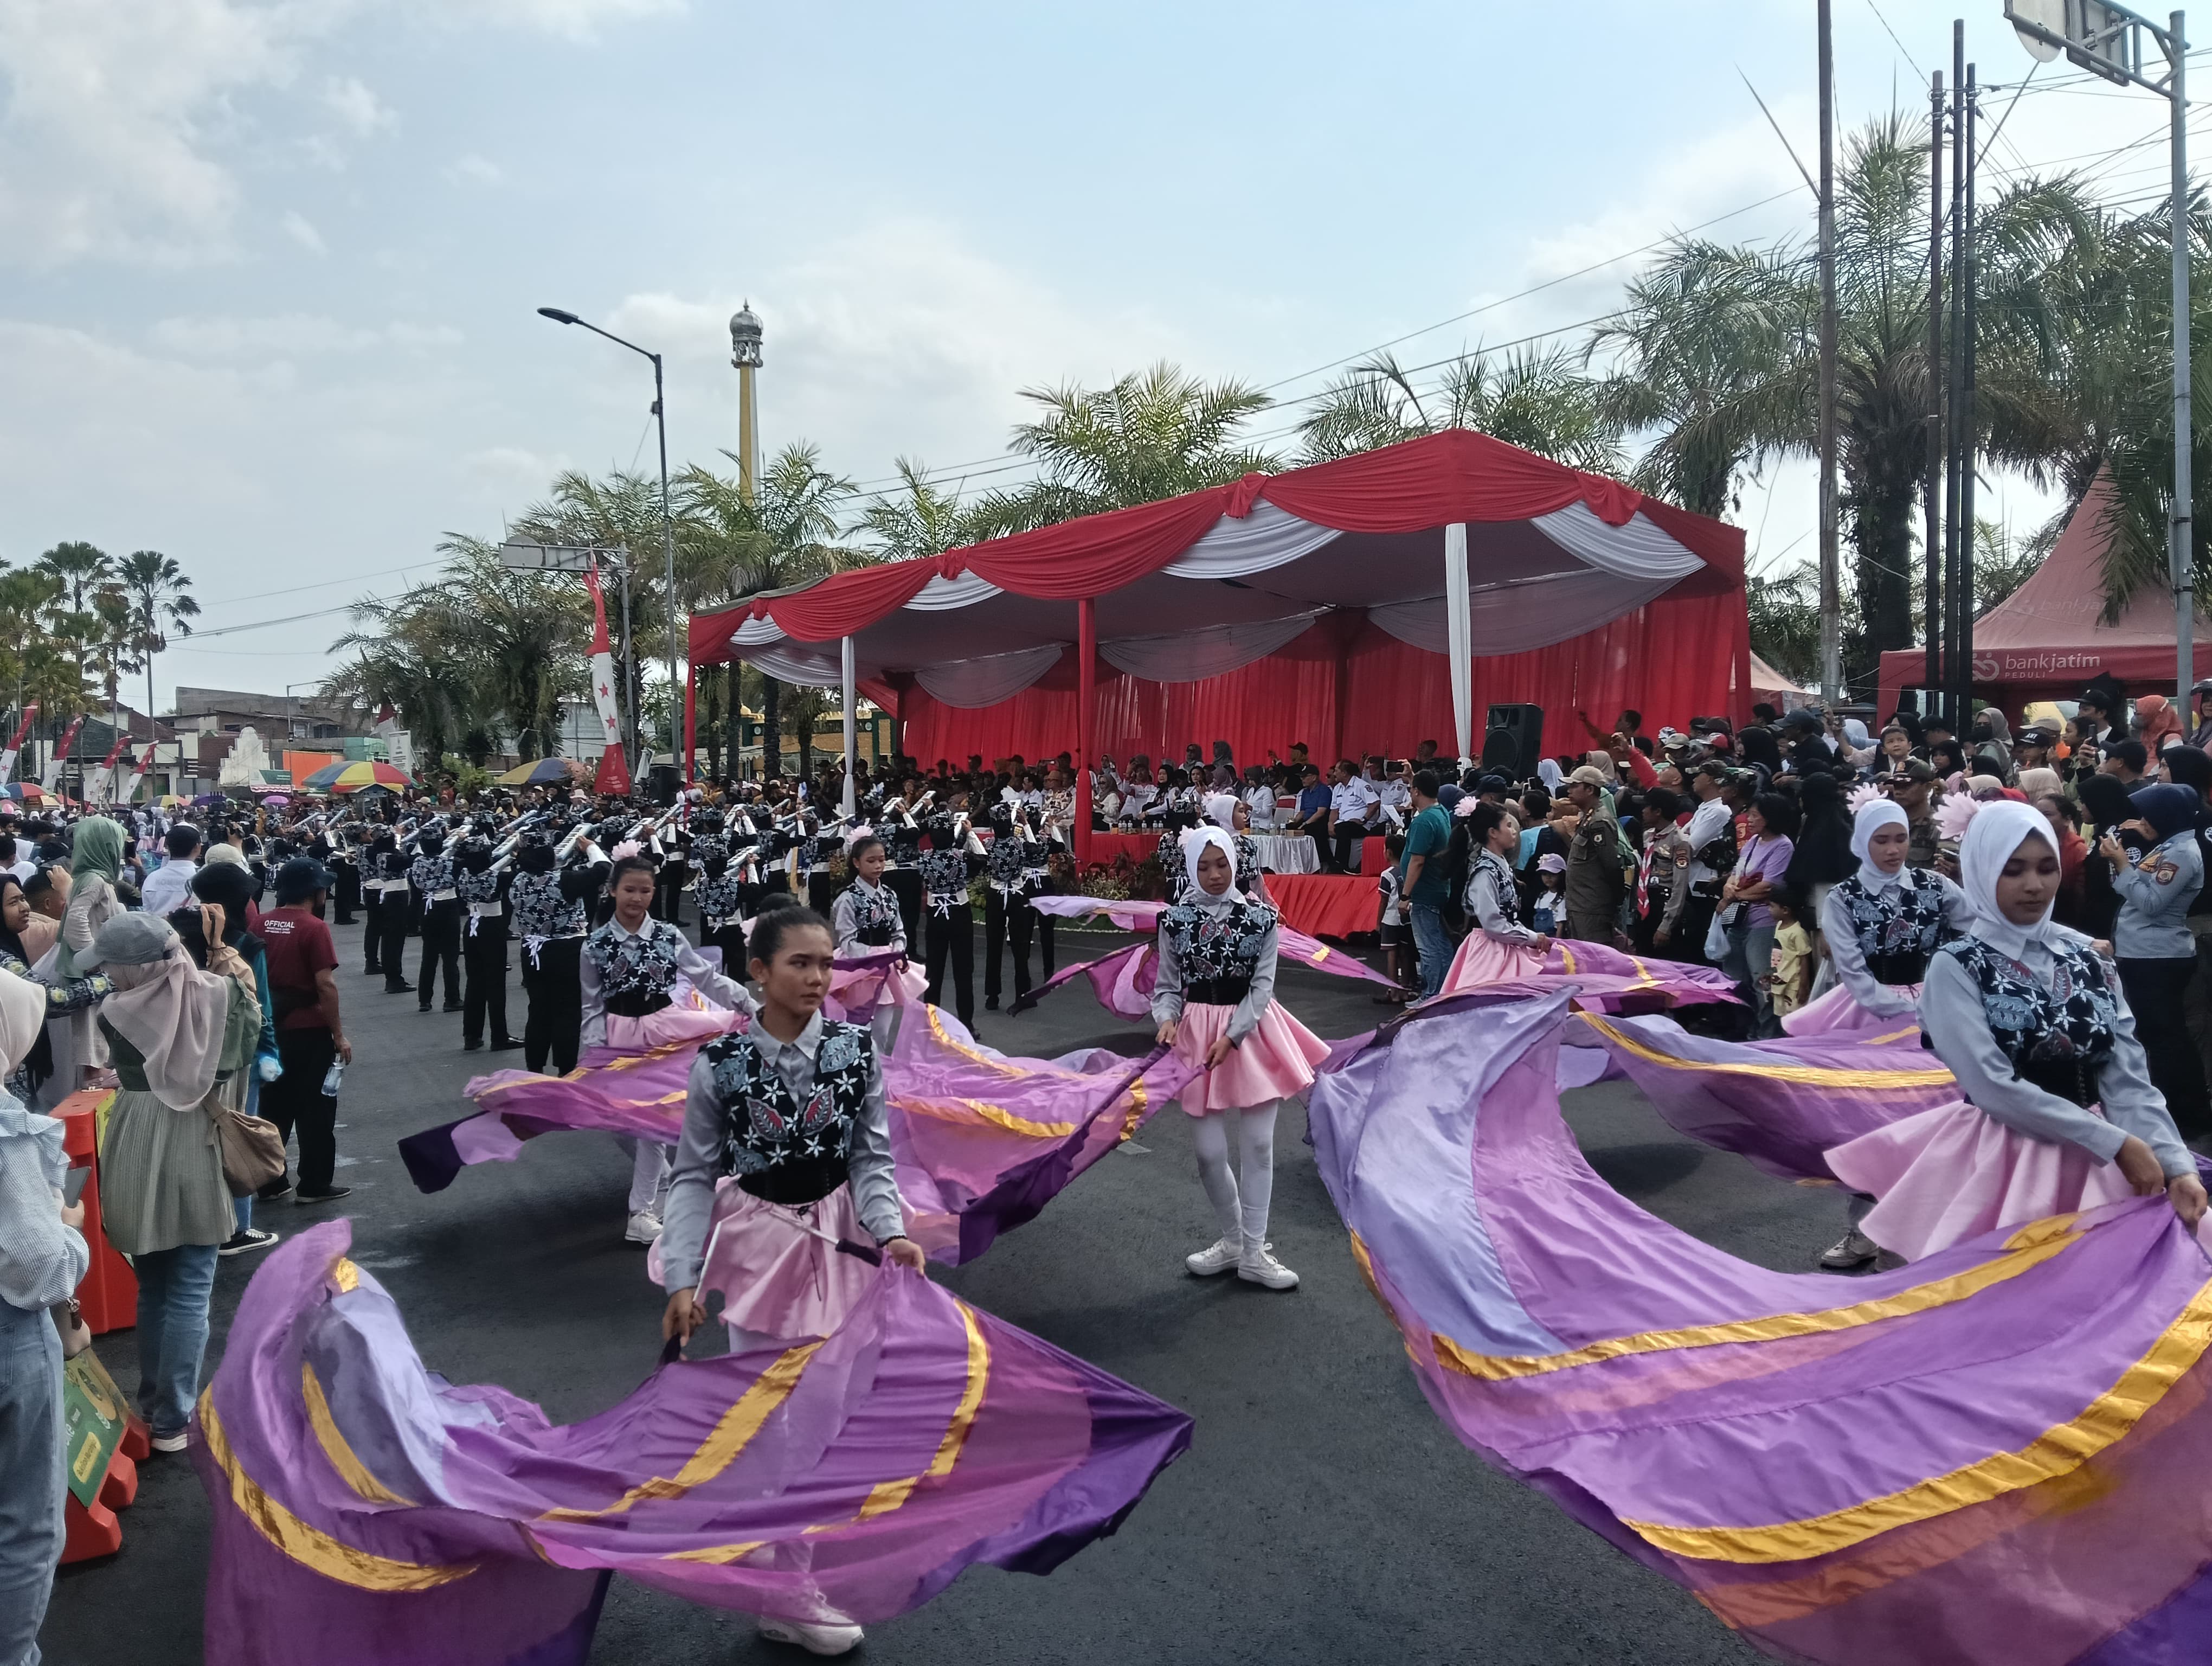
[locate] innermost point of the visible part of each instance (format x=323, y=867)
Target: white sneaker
x=1220, y=1258
x=175, y=1443
x=1258, y=1267
x=644, y=1227
x=815, y=1639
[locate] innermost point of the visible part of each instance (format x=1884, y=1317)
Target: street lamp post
x=667, y=520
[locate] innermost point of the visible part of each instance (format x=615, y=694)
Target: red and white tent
x=1457, y=546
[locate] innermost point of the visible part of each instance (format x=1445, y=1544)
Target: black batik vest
x=777, y=1147
x=1898, y=926
x=2057, y=1038
x=875, y=913
x=636, y=973
x=1217, y=950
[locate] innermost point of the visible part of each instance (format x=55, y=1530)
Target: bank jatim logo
x=1985, y=671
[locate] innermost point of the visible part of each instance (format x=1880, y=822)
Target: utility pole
x=1831, y=596
x=2107, y=40
x=1968, y=278
x=1931, y=511
x=1954, y=449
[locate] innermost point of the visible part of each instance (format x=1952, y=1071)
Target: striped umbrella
x=538, y=772
x=353, y=776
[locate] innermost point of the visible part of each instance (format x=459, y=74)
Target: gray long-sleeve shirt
x=722, y=991
x=40, y=1259
x=1958, y=1029
x=1167, y=990
x=2155, y=894
x=1844, y=949
x=699, y=1153
x=1489, y=878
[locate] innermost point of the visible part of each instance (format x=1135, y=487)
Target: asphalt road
x=1324, y=1515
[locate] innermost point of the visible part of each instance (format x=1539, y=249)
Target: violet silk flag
x=1602, y=979
x=981, y=1141
x=1123, y=981
x=1995, y=1456
x=369, y=1513
x=1783, y=1105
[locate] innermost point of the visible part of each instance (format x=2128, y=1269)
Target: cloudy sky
x=268, y=271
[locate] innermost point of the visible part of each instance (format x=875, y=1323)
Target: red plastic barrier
x=109, y=1294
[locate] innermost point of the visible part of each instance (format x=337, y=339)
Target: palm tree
x=1538, y=399
x=80, y=572
x=1150, y=435
x=918, y=520
x=781, y=535
x=156, y=594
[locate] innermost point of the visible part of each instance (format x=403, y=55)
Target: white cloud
x=355, y=106
x=475, y=170
x=291, y=335
x=302, y=230
x=579, y=20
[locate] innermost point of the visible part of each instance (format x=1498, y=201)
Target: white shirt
x=1353, y=800
x=1260, y=801
x=169, y=886
x=1396, y=793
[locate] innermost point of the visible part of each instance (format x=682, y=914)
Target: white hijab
x=22, y=1015
x=1221, y=810
x=1193, y=846
x=1999, y=828
x=1872, y=816
x=1548, y=772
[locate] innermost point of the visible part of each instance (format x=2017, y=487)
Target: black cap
x=299, y=879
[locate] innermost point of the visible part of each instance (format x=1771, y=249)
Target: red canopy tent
x=1350, y=603
x=2048, y=639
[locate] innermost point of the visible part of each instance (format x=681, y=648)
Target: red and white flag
x=51, y=780
x=614, y=774
x=15, y=746
x=96, y=784
x=137, y=774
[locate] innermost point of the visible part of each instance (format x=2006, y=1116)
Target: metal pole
x=629, y=672
x=1969, y=280
x=1832, y=604
x=848, y=692
x=1932, y=507
x=668, y=547
x=2181, y=551
x=1955, y=451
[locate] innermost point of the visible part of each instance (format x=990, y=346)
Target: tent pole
x=1459, y=625
x=1339, y=688
x=691, y=723
x=846, y=692
x=1086, y=718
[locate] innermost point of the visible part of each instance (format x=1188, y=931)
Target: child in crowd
x=1395, y=933
x=1547, y=910
x=1789, y=983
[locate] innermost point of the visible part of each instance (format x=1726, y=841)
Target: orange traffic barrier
x=109, y=1294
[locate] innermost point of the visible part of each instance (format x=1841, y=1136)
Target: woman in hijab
x=2058, y=1112
x=230, y=888
x=1881, y=925
x=95, y=867
x=2154, y=946
x=173, y=1031
x=43, y=1254
x=2156, y=723
x=1214, y=1003
x=2073, y=856
x=1823, y=851
x=2110, y=809
x=30, y=1075
x=1757, y=747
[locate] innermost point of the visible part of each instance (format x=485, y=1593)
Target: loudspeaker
x=1514, y=740
x=664, y=784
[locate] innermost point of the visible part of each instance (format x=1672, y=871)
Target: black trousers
x=346, y=891
x=1348, y=841
x=442, y=946
x=953, y=939
x=391, y=952
x=2154, y=989
x=484, y=956
x=668, y=891
x=372, y=933
x=295, y=1101
x=1007, y=917
x=906, y=885
x=1687, y=941
x=555, y=989
x=731, y=941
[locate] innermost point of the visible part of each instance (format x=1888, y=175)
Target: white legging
x=1240, y=1197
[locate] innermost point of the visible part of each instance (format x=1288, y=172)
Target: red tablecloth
x=1327, y=904
x=1137, y=847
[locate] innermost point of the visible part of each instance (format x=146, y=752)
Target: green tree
x=1538, y=399
x=1153, y=435
x=920, y=518
x=158, y=599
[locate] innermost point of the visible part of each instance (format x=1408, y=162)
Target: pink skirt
x=859, y=991
x=1273, y=1062
x=1837, y=1013
x=689, y=1019
x=777, y=1277
x=1952, y=1173
x=1483, y=960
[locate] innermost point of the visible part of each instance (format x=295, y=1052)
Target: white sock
x=1211, y=1139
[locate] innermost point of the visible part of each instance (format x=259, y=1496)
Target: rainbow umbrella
x=28, y=791
x=538, y=772
x=352, y=777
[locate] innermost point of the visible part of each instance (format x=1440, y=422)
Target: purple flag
x=366, y=1510
x=981, y=1141
x=1993, y=1457
x=1602, y=978
x=1782, y=1104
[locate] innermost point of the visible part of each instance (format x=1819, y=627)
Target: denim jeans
x=32, y=1480
x=243, y=1207
x=1432, y=945
x=174, y=1287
